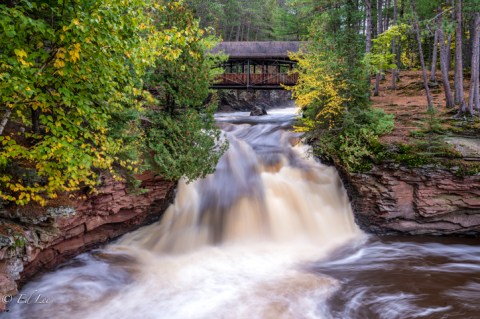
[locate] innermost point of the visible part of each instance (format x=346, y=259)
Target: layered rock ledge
x=396, y=200
x=29, y=245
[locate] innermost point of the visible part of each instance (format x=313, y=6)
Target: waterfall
x=232, y=245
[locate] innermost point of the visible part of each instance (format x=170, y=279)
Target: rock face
x=243, y=100
x=69, y=231
x=391, y=199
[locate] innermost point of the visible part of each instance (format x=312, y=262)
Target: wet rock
x=258, y=111
x=242, y=100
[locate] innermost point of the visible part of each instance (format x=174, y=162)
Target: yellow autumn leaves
x=61, y=57
x=318, y=89
x=21, y=56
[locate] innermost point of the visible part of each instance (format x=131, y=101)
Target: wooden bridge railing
x=245, y=80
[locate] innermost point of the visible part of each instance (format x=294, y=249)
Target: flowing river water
x=270, y=235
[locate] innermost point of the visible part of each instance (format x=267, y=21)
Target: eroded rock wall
x=243, y=100
x=391, y=199
x=30, y=245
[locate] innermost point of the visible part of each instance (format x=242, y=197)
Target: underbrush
x=354, y=143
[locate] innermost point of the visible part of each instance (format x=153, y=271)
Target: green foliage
x=187, y=144
x=65, y=69
x=355, y=142
x=381, y=57
x=72, y=73
x=183, y=81
x=290, y=22
x=333, y=92
x=433, y=122
x=181, y=136
x=331, y=75
x=429, y=150
x=237, y=20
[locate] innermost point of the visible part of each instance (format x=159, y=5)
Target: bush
x=354, y=143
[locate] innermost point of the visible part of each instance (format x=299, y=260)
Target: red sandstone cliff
x=391, y=199
x=30, y=246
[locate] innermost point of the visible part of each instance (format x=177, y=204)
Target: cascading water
x=269, y=235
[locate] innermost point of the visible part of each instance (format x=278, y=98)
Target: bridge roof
x=258, y=49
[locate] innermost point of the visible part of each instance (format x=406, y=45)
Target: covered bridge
x=257, y=65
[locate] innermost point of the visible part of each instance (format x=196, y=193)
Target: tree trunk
x=459, y=100
x=469, y=46
x=448, y=52
x=238, y=31
x=394, y=71
x=379, y=17
x=231, y=33
x=378, y=77
x=420, y=53
x=368, y=8
x=242, y=28
x=474, y=96
x=35, y=120
x=387, y=17
x=444, y=65
x=434, y=57
x=376, y=91
x=5, y=119
x=364, y=23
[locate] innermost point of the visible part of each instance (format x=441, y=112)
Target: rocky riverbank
x=31, y=243
x=441, y=197
x=243, y=100
x=396, y=200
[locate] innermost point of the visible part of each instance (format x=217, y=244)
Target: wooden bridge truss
x=257, y=65
x=266, y=74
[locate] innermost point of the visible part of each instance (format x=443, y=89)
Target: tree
x=434, y=56
x=474, y=95
x=379, y=31
x=368, y=11
x=394, y=48
x=289, y=23
x=444, y=62
x=237, y=20
x=331, y=74
x=65, y=69
x=382, y=56
x=182, y=136
x=72, y=79
x=458, y=82
x=416, y=28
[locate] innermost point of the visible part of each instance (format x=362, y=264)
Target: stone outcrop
x=258, y=111
x=391, y=199
x=247, y=101
x=29, y=245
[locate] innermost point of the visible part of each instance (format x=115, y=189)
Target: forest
x=119, y=87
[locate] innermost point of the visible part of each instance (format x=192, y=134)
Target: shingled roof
x=257, y=49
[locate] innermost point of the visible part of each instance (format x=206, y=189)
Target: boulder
x=258, y=111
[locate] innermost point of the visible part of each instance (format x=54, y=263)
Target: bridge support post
x=248, y=74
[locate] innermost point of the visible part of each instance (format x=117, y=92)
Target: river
x=269, y=235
